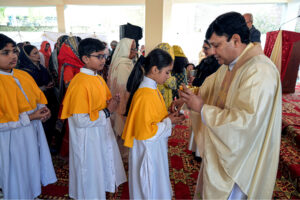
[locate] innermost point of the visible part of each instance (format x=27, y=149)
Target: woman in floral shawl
x=69, y=65
x=53, y=62
x=119, y=71
x=167, y=88
x=179, y=70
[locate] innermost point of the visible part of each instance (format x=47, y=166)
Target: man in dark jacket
x=254, y=33
x=207, y=66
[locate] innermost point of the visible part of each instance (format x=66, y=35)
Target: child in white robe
x=25, y=160
x=95, y=162
x=148, y=127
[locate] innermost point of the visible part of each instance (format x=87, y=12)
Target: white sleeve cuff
x=164, y=130
x=23, y=121
x=39, y=106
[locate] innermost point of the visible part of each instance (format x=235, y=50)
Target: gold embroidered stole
x=250, y=51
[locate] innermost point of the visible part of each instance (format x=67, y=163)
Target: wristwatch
x=107, y=113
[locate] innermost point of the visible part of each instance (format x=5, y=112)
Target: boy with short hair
x=25, y=160
x=95, y=162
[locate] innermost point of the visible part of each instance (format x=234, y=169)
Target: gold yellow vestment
x=240, y=134
x=85, y=94
x=146, y=110
x=13, y=102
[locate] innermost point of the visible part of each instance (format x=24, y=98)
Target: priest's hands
x=176, y=105
x=194, y=102
x=41, y=114
x=176, y=117
x=113, y=103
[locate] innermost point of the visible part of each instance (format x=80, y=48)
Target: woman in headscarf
x=69, y=65
x=46, y=51
x=119, y=71
x=53, y=62
x=179, y=70
x=30, y=62
x=167, y=88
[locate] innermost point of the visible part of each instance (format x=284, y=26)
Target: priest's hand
x=176, y=105
x=194, y=102
x=113, y=103
x=176, y=117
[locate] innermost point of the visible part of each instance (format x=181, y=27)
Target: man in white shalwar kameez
x=240, y=122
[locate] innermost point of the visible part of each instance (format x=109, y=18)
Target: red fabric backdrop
x=288, y=38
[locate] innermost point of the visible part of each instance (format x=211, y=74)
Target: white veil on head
x=121, y=55
x=119, y=71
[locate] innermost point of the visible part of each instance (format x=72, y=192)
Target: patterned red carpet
x=183, y=171
x=289, y=166
x=291, y=108
x=183, y=174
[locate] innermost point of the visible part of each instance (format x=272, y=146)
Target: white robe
x=95, y=164
x=25, y=160
x=148, y=162
x=193, y=146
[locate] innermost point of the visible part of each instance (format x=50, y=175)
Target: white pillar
x=167, y=20
x=158, y=22
x=60, y=11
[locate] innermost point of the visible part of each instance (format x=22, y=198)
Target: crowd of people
x=103, y=107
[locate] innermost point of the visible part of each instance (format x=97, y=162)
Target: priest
x=239, y=116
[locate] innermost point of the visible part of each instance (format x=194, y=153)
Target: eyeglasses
x=134, y=49
x=100, y=56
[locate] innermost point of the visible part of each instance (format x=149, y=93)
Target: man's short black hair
x=228, y=24
x=207, y=42
x=88, y=46
x=4, y=40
